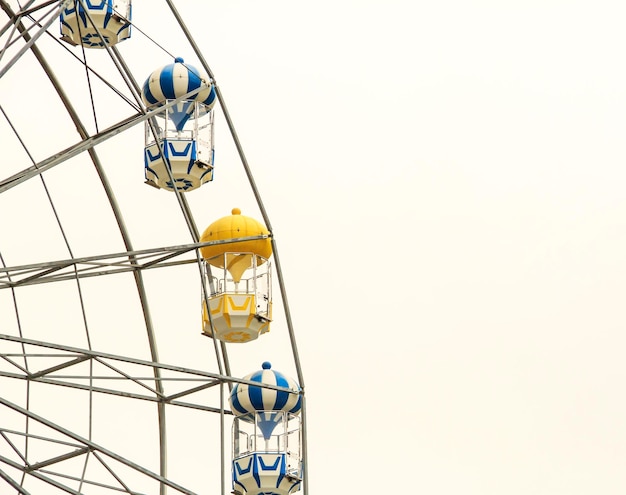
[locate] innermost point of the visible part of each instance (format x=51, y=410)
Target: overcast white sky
x=458, y=169
x=445, y=182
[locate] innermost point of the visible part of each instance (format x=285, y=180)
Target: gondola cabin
x=237, y=303
x=267, y=439
x=96, y=24
x=178, y=151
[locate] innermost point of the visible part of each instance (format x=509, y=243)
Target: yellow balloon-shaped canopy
x=233, y=227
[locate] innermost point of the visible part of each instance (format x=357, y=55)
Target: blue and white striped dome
x=175, y=80
x=248, y=398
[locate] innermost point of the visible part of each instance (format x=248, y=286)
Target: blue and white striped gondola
x=266, y=435
x=96, y=23
x=181, y=155
x=268, y=403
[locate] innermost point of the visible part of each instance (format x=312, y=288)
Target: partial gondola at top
x=131, y=316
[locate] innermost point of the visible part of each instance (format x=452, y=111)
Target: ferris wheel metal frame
x=25, y=26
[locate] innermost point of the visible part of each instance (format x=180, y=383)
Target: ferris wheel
x=146, y=342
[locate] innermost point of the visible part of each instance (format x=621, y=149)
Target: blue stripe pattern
x=175, y=80
x=248, y=398
x=93, y=23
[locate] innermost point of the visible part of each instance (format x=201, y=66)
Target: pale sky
x=445, y=182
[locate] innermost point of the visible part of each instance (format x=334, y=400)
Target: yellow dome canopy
x=232, y=227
